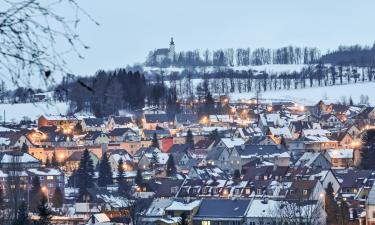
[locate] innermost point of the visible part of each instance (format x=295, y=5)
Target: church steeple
x=172, y=42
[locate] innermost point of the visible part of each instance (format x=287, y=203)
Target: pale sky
x=130, y=29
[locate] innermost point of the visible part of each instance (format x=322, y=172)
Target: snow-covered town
x=256, y=163
x=187, y=113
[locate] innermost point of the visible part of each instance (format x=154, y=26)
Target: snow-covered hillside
x=17, y=112
x=313, y=95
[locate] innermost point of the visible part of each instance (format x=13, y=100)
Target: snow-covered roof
x=24, y=158
x=231, y=142
x=183, y=206
x=45, y=171
x=281, y=131
x=4, y=141
x=315, y=132
x=101, y=217
x=341, y=153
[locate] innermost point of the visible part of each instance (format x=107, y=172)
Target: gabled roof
x=216, y=209
x=215, y=153
x=121, y=120
x=119, y=132
x=158, y=118
x=186, y=118
x=249, y=151
x=94, y=122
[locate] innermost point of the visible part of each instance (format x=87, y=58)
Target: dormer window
x=174, y=190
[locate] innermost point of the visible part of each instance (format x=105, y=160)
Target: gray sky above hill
x=130, y=29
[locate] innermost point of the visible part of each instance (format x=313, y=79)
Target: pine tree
x=331, y=206
x=154, y=159
x=155, y=141
x=44, y=212
x=105, y=172
x=138, y=180
x=351, y=103
x=25, y=148
x=85, y=172
x=368, y=150
x=123, y=187
x=22, y=215
x=189, y=138
x=57, y=198
x=48, y=162
x=283, y=142
x=214, y=135
x=236, y=175
x=78, y=128
x=171, y=167
x=54, y=161
x=35, y=194
x=344, y=213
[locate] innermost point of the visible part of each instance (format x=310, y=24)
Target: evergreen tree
x=78, y=128
x=237, y=175
x=368, y=150
x=105, y=172
x=35, y=194
x=85, y=172
x=154, y=159
x=22, y=215
x=54, y=161
x=57, y=198
x=283, y=142
x=331, y=206
x=44, y=212
x=189, y=138
x=48, y=162
x=25, y=148
x=183, y=219
x=1, y=198
x=155, y=141
x=171, y=167
x=214, y=135
x=344, y=213
x=138, y=180
x=123, y=187
x=351, y=103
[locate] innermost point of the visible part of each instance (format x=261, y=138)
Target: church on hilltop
x=162, y=54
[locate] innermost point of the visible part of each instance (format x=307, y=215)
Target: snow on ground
x=17, y=112
x=313, y=95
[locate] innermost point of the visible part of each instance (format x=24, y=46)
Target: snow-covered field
x=313, y=95
x=17, y=112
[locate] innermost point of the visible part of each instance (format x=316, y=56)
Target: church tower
x=171, y=49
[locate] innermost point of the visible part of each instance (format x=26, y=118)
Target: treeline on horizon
x=344, y=55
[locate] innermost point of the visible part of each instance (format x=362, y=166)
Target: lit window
x=49, y=177
x=204, y=222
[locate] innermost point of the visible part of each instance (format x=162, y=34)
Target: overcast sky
x=130, y=29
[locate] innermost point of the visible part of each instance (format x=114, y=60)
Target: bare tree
x=35, y=39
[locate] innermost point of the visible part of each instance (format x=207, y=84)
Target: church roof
x=161, y=51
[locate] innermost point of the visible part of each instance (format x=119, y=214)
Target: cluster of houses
x=242, y=167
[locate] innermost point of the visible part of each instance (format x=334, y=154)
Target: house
x=17, y=161
x=116, y=155
x=183, y=120
x=148, y=134
x=341, y=158
x=180, y=153
x=99, y=219
x=220, y=120
x=230, y=142
x=50, y=179
x=264, y=211
x=222, y=211
x=93, y=124
x=120, y=122
x=181, y=208
x=269, y=153
x=72, y=162
x=344, y=139
x=95, y=138
x=219, y=156
x=156, y=213
x=370, y=207
x=313, y=160
x=330, y=121
x=306, y=190
x=354, y=182
x=207, y=172
x=123, y=135
x=152, y=121
x=146, y=159
x=66, y=122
